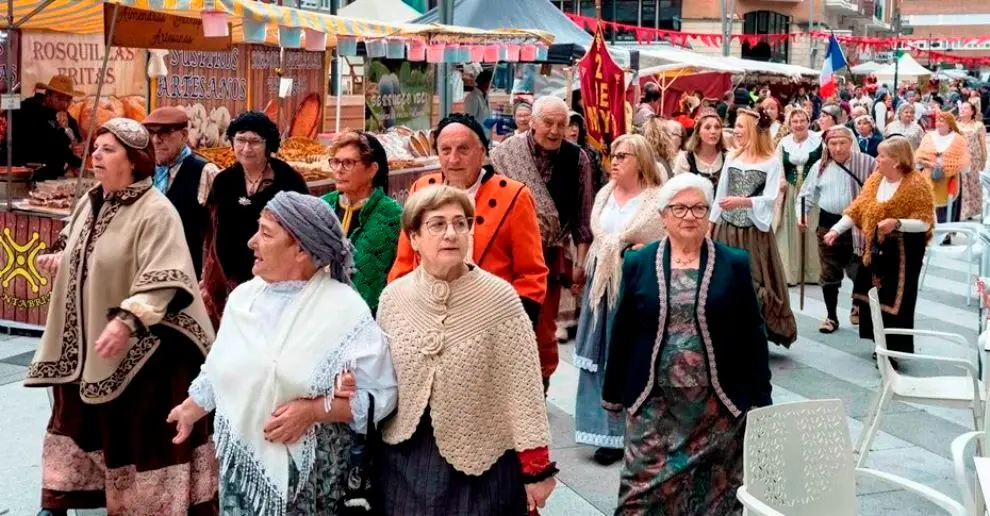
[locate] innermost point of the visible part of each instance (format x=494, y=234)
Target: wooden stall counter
x=25, y=291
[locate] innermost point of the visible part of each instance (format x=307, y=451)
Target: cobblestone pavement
x=914, y=441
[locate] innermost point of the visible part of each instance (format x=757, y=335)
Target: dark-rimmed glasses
x=680, y=211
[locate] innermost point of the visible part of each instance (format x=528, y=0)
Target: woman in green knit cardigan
x=370, y=218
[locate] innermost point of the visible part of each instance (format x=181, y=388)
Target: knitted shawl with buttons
x=467, y=350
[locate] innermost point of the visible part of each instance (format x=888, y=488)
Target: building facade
x=861, y=17
x=935, y=20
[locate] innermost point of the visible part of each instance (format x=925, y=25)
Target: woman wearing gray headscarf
x=290, y=380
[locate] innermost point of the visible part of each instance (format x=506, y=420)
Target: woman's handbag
x=359, y=499
x=938, y=170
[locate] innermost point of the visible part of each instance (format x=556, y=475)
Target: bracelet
x=326, y=404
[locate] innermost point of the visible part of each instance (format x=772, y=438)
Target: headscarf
x=313, y=224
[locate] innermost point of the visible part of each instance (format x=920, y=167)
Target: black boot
x=608, y=456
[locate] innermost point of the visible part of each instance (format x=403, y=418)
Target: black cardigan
x=236, y=214
x=731, y=328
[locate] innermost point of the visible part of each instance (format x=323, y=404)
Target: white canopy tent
x=389, y=11
x=659, y=59
x=768, y=68
x=907, y=69
x=865, y=68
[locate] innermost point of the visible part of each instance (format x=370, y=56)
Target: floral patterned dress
x=972, y=190
x=684, y=450
x=324, y=491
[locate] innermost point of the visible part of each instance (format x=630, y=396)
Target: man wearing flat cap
x=42, y=127
x=185, y=178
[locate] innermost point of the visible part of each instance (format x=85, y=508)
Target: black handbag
x=359, y=499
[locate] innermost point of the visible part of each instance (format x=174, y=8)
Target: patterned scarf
x=519, y=160
x=162, y=172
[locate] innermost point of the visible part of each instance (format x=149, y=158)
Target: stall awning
x=86, y=17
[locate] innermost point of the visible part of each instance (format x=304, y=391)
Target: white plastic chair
x=972, y=497
x=798, y=462
x=945, y=391
x=970, y=252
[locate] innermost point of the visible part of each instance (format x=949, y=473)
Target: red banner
x=648, y=35
x=603, y=87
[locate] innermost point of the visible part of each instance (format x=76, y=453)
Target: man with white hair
x=559, y=175
x=832, y=183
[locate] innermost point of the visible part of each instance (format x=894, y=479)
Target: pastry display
x=222, y=157
x=57, y=194
x=306, y=120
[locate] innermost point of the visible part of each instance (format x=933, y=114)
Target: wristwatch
x=129, y=320
x=897, y=225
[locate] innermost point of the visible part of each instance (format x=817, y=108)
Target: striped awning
x=86, y=17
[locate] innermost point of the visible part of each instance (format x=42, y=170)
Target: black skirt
x=414, y=479
x=894, y=269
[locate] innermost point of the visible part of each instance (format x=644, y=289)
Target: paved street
x=914, y=442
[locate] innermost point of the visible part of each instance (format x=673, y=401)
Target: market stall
x=269, y=58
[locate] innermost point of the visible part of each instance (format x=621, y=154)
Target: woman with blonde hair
x=660, y=142
x=705, y=152
x=972, y=128
x=743, y=214
x=624, y=217
x=943, y=157
x=798, y=151
x=895, y=212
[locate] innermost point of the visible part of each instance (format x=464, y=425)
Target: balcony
x=843, y=7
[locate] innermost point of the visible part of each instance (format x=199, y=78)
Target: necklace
x=252, y=184
x=685, y=261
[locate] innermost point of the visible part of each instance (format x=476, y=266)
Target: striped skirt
x=414, y=479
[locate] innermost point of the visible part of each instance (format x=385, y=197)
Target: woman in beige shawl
x=127, y=331
x=625, y=216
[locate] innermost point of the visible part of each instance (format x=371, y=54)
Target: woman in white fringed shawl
x=625, y=215
x=296, y=362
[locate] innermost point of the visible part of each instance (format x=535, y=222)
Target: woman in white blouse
x=798, y=151
x=743, y=214
x=705, y=153
x=896, y=213
x=625, y=215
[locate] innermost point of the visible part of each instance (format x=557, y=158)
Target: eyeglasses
x=621, y=156
x=248, y=142
x=346, y=164
x=438, y=226
x=162, y=131
x=680, y=211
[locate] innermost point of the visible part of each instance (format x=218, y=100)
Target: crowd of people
x=223, y=342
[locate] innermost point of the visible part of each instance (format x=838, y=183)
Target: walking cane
x=803, y=243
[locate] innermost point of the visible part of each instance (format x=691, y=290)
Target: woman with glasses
x=684, y=379
x=238, y=196
x=743, y=217
x=623, y=217
x=470, y=435
x=369, y=217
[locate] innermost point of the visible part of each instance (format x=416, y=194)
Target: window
x=766, y=22
x=660, y=14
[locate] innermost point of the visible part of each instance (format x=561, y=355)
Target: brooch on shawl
x=244, y=201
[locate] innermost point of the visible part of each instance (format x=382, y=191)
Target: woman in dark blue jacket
x=684, y=379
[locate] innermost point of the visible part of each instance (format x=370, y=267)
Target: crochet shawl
x=605, y=253
x=912, y=200
x=465, y=349
x=955, y=161
x=375, y=243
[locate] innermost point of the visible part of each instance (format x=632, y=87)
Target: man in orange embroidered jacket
x=506, y=235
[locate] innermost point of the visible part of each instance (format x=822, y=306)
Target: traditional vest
x=791, y=170
x=183, y=192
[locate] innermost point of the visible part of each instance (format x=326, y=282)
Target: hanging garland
x=859, y=43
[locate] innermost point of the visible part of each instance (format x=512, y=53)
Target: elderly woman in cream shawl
x=283, y=430
x=625, y=215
